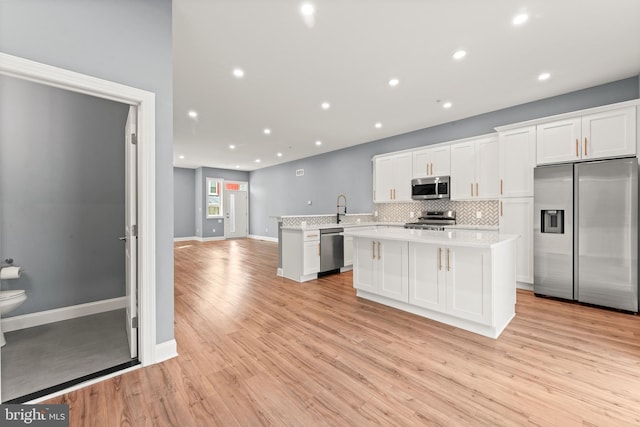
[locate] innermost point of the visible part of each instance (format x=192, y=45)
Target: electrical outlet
x=309, y=202
x=411, y=214
x=375, y=213
x=266, y=230
x=214, y=230
x=478, y=214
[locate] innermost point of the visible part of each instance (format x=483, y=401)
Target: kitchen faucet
x=338, y=206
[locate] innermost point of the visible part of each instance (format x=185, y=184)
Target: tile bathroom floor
x=45, y=356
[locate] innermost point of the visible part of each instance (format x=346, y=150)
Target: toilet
x=10, y=300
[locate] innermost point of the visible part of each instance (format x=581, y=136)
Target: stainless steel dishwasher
x=331, y=249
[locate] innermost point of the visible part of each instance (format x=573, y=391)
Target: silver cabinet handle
x=123, y=239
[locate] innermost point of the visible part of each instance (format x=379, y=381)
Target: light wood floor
x=256, y=349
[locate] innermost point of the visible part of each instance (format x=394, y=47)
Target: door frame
x=145, y=102
x=224, y=195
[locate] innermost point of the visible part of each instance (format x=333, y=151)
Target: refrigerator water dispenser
x=552, y=221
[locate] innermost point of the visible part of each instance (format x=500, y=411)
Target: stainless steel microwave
x=436, y=187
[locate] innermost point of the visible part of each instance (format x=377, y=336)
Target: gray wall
x=125, y=42
x=277, y=191
x=61, y=194
x=184, y=202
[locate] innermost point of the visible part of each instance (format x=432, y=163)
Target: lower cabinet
x=382, y=268
x=311, y=257
x=516, y=217
x=454, y=280
x=300, y=254
x=348, y=251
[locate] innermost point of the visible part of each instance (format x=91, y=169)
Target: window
x=214, y=197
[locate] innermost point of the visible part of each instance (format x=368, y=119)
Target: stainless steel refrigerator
x=586, y=232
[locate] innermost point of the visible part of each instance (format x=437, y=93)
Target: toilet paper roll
x=8, y=273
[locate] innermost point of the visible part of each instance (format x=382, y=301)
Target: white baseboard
x=267, y=238
x=58, y=314
x=186, y=239
x=523, y=285
x=165, y=351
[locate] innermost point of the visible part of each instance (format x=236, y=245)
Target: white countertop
x=473, y=227
x=343, y=225
x=477, y=239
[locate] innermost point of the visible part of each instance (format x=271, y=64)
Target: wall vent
x=299, y=172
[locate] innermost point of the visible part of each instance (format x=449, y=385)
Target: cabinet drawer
x=310, y=235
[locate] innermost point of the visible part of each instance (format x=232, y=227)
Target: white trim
x=84, y=384
x=145, y=101
x=267, y=238
x=211, y=239
x=186, y=239
x=30, y=320
x=166, y=350
x=523, y=285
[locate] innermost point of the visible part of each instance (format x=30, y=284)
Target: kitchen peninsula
x=463, y=278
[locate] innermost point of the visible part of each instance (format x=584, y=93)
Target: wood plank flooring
x=256, y=349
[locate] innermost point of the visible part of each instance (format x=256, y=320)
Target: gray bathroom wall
x=125, y=42
x=61, y=194
x=184, y=202
x=277, y=191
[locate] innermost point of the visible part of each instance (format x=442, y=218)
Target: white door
x=609, y=134
x=463, y=170
x=402, y=174
x=131, y=233
x=236, y=222
x=487, y=177
x=516, y=150
x=559, y=141
x=516, y=217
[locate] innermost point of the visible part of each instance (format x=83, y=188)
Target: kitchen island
x=466, y=279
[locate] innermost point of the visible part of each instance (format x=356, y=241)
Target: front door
x=236, y=221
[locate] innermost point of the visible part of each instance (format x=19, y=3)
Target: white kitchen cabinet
x=427, y=279
x=382, y=268
x=474, y=169
x=468, y=276
x=516, y=148
x=300, y=254
x=392, y=178
x=516, y=217
x=434, y=161
x=348, y=251
x=604, y=134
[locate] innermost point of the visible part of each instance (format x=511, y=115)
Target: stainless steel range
x=433, y=220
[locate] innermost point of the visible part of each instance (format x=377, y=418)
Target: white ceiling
x=351, y=52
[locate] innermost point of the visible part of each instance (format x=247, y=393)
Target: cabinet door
x=427, y=281
x=348, y=251
x=558, y=141
x=487, y=178
x=392, y=269
x=421, y=163
x=609, y=134
x=403, y=172
x=516, y=217
x=463, y=171
x=469, y=283
x=364, y=264
x=516, y=150
x=383, y=179
x=311, y=261
x=441, y=161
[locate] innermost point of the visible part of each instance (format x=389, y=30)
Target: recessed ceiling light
x=394, y=82
x=520, y=19
x=181, y=157
x=307, y=9
x=325, y=105
x=257, y=160
x=267, y=131
x=378, y=125
x=232, y=146
x=237, y=166
x=238, y=72
x=544, y=76
x=459, y=54
x=318, y=142
x=279, y=154
x=193, y=114
x=447, y=105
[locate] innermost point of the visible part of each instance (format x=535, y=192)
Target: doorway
x=236, y=209
x=145, y=181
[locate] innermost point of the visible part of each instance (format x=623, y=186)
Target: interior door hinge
x=134, y=230
x=134, y=138
x=134, y=322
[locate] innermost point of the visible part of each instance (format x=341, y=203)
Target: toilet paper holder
x=8, y=262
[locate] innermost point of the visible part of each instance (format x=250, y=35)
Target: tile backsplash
x=466, y=212
x=295, y=221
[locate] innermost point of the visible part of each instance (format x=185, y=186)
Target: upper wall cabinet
x=474, y=169
x=517, y=160
x=392, y=178
x=432, y=162
x=594, y=136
